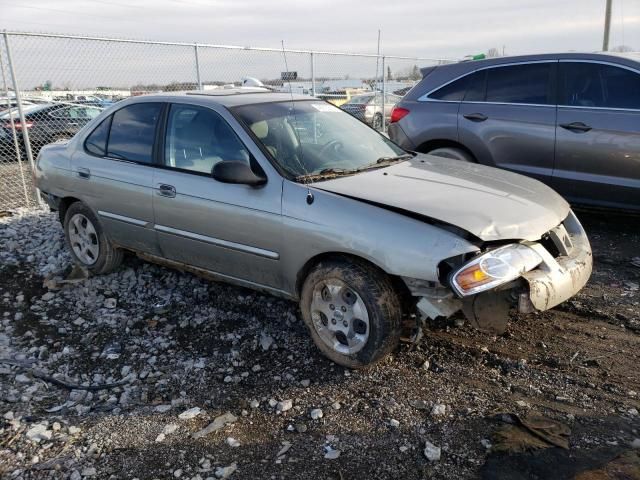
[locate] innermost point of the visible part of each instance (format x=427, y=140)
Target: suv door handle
x=575, y=127
x=475, y=117
x=84, y=172
x=167, y=190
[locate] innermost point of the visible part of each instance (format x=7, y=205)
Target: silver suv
x=570, y=120
x=295, y=197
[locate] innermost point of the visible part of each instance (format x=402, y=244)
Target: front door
x=507, y=118
x=233, y=230
x=598, y=135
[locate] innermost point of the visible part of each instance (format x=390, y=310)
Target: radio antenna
x=295, y=127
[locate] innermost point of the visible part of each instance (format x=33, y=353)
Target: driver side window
x=197, y=138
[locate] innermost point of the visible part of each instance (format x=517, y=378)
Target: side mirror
x=235, y=171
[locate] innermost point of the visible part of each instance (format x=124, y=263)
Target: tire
x=354, y=289
x=453, y=153
x=89, y=246
x=377, y=122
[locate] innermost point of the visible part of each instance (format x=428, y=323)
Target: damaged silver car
x=295, y=197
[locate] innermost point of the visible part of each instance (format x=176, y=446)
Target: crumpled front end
x=562, y=268
x=559, y=278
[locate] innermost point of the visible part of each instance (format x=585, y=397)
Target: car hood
x=489, y=203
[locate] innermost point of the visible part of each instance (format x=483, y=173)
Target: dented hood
x=491, y=204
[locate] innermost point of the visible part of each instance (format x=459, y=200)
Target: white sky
x=425, y=28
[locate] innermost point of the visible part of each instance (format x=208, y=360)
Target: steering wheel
x=333, y=144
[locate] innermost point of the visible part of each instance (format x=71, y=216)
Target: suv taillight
x=398, y=113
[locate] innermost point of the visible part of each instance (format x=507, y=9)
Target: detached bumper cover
x=558, y=279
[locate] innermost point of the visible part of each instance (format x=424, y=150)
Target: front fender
x=332, y=223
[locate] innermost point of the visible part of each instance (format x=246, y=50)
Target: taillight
x=398, y=113
x=19, y=125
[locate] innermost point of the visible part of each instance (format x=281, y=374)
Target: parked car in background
x=570, y=120
x=5, y=105
x=340, y=96
x=369, y=108
x=336, y=216
x=46, y=123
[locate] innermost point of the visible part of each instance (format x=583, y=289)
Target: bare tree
x=622, y=48
x=493, y=52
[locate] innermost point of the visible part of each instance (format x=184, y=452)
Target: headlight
x=494, y=268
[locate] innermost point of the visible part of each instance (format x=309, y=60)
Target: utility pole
x=607, y=26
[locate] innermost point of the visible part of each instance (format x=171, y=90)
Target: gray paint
x=600, y=167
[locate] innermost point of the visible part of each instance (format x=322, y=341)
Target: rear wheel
x=87, y=243
x=453, y=153
x=352, y=311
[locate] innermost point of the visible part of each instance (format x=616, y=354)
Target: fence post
x=13, y=133
x=25, y=132
x=195, y=47
x=313, y=75
x=384, y=95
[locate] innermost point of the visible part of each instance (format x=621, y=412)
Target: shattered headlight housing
x=494, y=268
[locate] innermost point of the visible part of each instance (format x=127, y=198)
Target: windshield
x=25, y=109
x=313, y=138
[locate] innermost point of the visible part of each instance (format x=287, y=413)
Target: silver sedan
x=295, y=197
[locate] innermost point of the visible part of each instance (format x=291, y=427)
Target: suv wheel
x=352, y=311
x=453, y=153
x=86, y=241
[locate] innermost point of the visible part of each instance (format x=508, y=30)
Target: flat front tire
x=352, y=311
x=86, y=241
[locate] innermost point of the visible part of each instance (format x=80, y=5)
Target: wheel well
x=64, y=205
x=426, y=147
x=397, y=282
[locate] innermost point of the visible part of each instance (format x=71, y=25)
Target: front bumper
x=558, y=279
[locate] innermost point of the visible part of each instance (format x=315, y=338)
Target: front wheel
x=87, y=243
x=352, y=311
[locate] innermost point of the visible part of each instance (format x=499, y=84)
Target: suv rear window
x=453, y=92
x=528, y=83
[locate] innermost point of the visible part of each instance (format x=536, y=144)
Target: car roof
x=231, y=97
x=602, y=57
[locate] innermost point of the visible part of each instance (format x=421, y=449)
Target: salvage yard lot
x=180, y=342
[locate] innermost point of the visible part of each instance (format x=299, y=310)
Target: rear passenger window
x=132, y=132
x=454, y=92
x=96, y=142
x=528, y=83
x=598, y=85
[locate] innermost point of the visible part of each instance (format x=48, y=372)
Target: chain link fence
x=52, y=85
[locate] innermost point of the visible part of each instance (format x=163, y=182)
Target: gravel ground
x=214, y=381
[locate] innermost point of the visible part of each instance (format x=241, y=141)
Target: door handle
x=84, y=172
x=167, y=190
x=475, y=117
x=575, y=127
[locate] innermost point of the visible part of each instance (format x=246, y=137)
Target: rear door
x=233, y=230
x=598, y=134
x=113, y=174
x=507, y=117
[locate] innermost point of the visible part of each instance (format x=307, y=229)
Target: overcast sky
x=426, y=28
